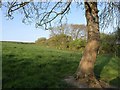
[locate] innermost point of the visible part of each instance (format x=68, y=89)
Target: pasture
x=35, y=66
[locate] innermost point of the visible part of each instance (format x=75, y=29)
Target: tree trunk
x=86, y=66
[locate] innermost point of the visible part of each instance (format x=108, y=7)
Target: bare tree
x=44, y=13
x=57, y=30
x=76, y=31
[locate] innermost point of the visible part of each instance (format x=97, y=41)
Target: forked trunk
x=86, y=66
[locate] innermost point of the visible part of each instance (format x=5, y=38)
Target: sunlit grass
x=33, y=66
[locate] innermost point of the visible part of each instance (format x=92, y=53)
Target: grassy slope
x=29, y=65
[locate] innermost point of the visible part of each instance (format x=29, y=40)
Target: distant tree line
x=74, y=37
x=70, y=37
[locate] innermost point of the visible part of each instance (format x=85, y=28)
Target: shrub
x=108, y=43
x=41, y=41
x=78, y=44
x=59, y=41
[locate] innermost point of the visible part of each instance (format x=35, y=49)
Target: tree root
x=86, y=82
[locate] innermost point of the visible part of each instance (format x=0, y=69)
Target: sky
x=15, y=30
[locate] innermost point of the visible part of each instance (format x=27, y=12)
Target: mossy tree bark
x=86, y=66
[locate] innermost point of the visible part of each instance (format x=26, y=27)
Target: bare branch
x=42, y=13
x=13, y=7
x=110, y=14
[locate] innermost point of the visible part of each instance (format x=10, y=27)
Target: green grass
x=33, y=66
x=107, y=68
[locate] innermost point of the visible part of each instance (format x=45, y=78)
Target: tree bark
x=86, y=66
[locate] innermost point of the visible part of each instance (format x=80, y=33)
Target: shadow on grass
x=115, y=82
x=36, y=73
x=101, y=62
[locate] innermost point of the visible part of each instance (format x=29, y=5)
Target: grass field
x=33, y=66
